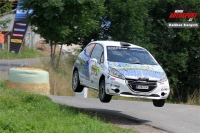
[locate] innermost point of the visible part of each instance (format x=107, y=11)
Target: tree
x=144, y=23
x=128, y=19
x=65, y=20
x=5, y=8
x=177, y=49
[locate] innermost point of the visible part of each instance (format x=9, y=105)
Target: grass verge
x=26, y=112
x=24, y=53
x=60, y=79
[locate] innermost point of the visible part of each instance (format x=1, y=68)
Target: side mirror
x=93, y=60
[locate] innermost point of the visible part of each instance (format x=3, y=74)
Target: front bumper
x=128, y=88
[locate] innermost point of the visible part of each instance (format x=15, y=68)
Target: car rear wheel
x=76, y=87
x=105, y=98
x=159, y=103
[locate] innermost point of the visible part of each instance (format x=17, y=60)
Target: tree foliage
x=65, y=21
x=140, y=22
x=144, y=23
x=5, y=8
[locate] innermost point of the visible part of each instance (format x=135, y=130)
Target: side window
x=89, y=49
x=97, y=52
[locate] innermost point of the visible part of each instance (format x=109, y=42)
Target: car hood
x=136, y=71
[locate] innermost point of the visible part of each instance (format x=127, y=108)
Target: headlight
x=115, y=73
x=163, y=78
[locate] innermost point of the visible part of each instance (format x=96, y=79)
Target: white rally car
x=120, y=68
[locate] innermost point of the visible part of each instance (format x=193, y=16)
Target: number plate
x=142, y=87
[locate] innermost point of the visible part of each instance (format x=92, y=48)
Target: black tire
x=159, y=103
x=104, y=98
x=76, y=87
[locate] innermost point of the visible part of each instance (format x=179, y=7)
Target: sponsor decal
x=93, y=73
x=115, y=64
x=16, y=40
x=81, y=60
x=19, y=21
x=137, y=69
x=24, y=11
x=112, y=78
x=164, y=88
x=117, y=86
x=95, y=69
x=180, y=14
x=18, y=35
x=129, y=67
x=18, y=29
x=81, y=67
x=21, y=24
x=83, y=76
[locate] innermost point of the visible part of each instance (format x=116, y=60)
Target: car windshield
x=129, y=55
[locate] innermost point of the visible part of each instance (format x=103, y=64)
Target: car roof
x=115, y=43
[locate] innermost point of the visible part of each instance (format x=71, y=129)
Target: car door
x=83, y=65
x=94, y=67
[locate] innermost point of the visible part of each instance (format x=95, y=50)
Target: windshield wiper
x=135, y=63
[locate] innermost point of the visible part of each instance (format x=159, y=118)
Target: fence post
x=8, y=43
x=82, y=94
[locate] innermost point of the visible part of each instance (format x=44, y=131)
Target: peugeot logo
x=143, y=78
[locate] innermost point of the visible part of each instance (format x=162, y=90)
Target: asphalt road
x=173, y=118
x=5, y=65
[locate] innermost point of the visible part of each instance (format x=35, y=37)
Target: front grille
x=132, y=83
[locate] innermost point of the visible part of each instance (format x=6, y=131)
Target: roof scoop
x=125, y=44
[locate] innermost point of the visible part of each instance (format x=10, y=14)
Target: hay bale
x=29, y=80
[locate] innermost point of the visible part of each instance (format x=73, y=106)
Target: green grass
x=22, y=112
x=24, y=53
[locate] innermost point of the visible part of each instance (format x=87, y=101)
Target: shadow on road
x=115, y=117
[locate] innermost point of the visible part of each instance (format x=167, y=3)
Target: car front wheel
x=158, y=103
x=76, y=87
x=105, y=98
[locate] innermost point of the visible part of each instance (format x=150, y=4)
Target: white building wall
x=10, y=25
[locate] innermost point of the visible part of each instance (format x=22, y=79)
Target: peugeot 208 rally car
x=120, y=68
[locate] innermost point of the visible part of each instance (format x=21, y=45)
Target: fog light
x=162, y=94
